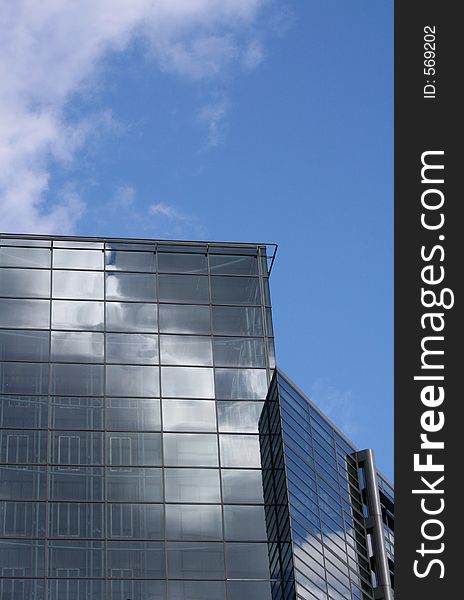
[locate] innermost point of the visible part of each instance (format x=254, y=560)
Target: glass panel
x=134, y=449
x=23, y=378
x=117, y=260
x=22, y=589
x=245, y=523
x=180, y=318
x=131, y=414
x=84, y=484
x=235, y=290
x=24, y=283
x=22, y=446
x=131, y=286
x=123, y=589
x=7, y=241
x=75, y=559
x=187, y=382
x=134, y=485
x=17, y=344
x=135, y=521
x=77, y=315
x=22, y=519
x=186, y=350
x=76, y=448
x=73, y=243
x=198, y=590
x=190, y=450
x=182, y=263
x=24, y=257
x=76, y=520
x=24, y=313
x=242, y=486
x=22, y=557
x=132, y=348
x=233, y=265
x=239, y=417
x=132, y=381
x=258, y=590
x=192, y=485
x=77, y=285
x=136, y=559
x=189, y=415
x=77, y=346
x=29, y=412
x=195, y=560
x=193, y=522
x=240, y=451
x=247, y=561
x=76, y=413
x=235, y=320
x=77, y=380
x=22, y=483
x=131, y=317
x=244, y=384
x=239, y=352
x=75, y=589
x=192, y=289
x=78, y=259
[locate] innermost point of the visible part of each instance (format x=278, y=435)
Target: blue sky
x=237, y=120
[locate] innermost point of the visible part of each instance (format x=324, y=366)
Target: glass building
x=138, y=440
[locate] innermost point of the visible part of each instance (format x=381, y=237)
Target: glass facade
x=139, y=456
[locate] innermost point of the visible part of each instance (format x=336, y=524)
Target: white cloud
x=213, y=116
x=52, y=49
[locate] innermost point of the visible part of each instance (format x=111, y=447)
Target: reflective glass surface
x=77, y=315
x=192, y=485
x=24, y=257
x=118, y=260
x=192, y=289
x=77, y=285
x=24, y=313
x=78, y=259
x=189, y=415
x=131, y=317
x=186, y=350
x=23, y=345
x=182, y=318
x=190, y=450
x=131, y=286
x=187, y=382
x=24, y=283
x=135, y=348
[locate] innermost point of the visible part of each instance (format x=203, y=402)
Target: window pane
x=235, y=290
x=29, y=412
x=134, y=449
x=78, y=259
x=182, y=263
x=195, y=560
x=134, y=485
x=192, y=485
x=76, y=413
x=239, y=352
x=239, y=417
x=198, y=590
x=234, y=320
x=17, y=344
x=186, y=350
x=22, y=589
x=84, y=484
x=241, y=384
x=77, y=315
x=77, y=284
x=76, y=380
x=131, y=414
x=75, y=589
x=135, y=521
x=245, y=523
x=23, y=378
x=242, y=486
x=122, y=589
x=247, y=561
x=180, y=318
x=240, y=451
x=189, y=415
x=233, y=265
x=75, y=559
x=22, y=519
x=193, y=522
x=24, y=283
x=258, y=590
x=184, y=288
x=136, y=559
x=25, y=557
x=24, y=313
x=118, y=260
x=22, y=483
x=22, y=446
x=190, y=450
x=76, y=520
x=77, y=347
x=132, y=381
x=76, y=448
x=132, y=348
x=187, y=382
x=131, y=286
x=131, y=317
x=24, y=257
